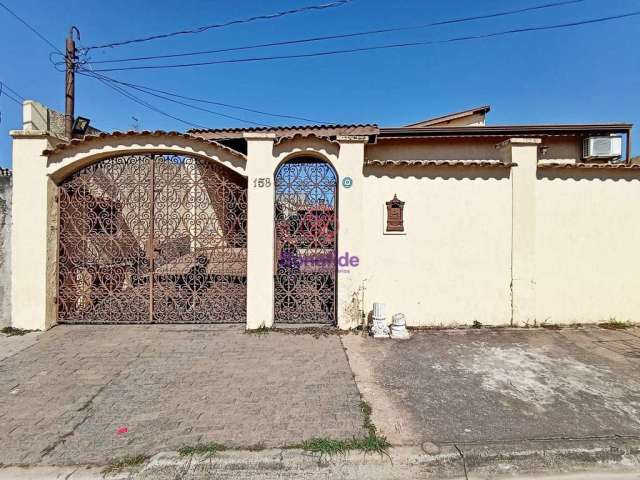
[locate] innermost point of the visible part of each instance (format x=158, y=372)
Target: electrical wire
x=211, y=102
x=4, y=85
x=269, y=16
x=344, y=35
x=195, y=107
x=147, y=105
x=377, y=47
x=5, y=94
x=33, y=29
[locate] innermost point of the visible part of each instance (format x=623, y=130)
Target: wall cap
x=23, y=134
x=259, y=136
x=352, y=138
x=517, y=141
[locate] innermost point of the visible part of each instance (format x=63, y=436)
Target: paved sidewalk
x=63, y=399
x=474, y=386
x=12, y=344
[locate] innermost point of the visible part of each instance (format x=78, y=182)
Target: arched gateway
x=306, y=242
x=152, y=237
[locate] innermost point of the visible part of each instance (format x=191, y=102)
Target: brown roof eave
x=506, y=130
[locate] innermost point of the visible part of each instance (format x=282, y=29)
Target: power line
x=269, y=16
x=33, y=29
x=5, y=94
x=378, y=47
x=146, y=104
x=4, y=85
x=211, y=102
x=195, y=107
x=345, y=35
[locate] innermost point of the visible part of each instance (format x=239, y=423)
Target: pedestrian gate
x=306, y=241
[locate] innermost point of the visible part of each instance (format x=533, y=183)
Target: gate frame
x=321, y=159
x=346, y=155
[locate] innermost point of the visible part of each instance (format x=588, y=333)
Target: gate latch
x=152, y=248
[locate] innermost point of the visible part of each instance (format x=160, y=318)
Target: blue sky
x=580, y=75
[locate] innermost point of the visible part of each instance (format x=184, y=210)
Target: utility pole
x=70, y=83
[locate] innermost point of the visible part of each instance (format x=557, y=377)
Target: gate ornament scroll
x=157, y=238
x=306, y=242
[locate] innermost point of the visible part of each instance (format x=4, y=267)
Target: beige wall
x=438, y=149
x=453, y=264
x=588, y=230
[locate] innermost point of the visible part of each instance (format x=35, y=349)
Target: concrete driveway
x=87, y=394
x=466, y=386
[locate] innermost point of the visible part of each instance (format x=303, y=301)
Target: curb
x=426, y=461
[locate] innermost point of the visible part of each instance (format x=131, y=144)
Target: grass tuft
x=204, y=449
x=613, y=324
x=125, y=463
x=365, y=408
x=325, y=446
x=258, y=331
x=372, y=443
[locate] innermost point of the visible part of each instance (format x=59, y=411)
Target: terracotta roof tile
x=440, y=163
x=320, y=130
x=591, y=166
x=304, y=135
x=132, y=134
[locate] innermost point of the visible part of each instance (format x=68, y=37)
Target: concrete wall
x=452, y=264
x=510, y=243
x=5, y=247
x=587, y=260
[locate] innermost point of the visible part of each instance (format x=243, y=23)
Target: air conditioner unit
x=602, y=147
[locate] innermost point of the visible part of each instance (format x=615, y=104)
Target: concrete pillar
x=260, y=229
x=350, y=165
x=34, y=242
x=33, y=233
x=523, y=152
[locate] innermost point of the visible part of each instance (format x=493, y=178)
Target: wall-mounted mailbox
x=395, y=215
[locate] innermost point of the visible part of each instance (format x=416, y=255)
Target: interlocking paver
x=65, y=398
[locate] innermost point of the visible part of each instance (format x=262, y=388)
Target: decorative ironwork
x=306, y=242
x=152, y=239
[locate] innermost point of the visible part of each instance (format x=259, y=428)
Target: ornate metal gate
x=306, y=242
x=152, y=238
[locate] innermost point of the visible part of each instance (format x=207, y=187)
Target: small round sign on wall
x=347, y=182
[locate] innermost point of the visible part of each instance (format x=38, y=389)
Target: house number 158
x=263, y=182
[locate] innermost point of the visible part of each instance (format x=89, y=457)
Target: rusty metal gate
x=152, y=238
x=305, y=242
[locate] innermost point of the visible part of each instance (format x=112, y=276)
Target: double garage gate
x=162, y=238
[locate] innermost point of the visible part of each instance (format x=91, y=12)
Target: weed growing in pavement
x=324, y=446
x=476, y=324
x=11, y=331
x=365, y=408
x=372, y=443
x=316, y=332
x=125, y=463
x=613, y=324
x=203, y=449
x=258, y=331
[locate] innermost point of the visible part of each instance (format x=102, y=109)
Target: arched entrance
x=306, y=233
x=152, y=238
